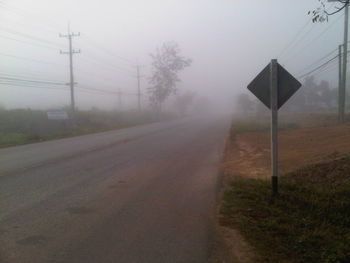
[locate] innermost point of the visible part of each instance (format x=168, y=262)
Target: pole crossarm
x=71, y=52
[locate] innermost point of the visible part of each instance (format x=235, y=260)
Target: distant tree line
x=311, y=97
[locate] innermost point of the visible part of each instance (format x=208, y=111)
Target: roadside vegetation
x=21, y=126
x=309, y=221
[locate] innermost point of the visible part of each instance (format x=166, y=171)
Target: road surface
x=136, y=195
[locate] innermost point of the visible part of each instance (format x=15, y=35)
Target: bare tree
x=166, y=64
x=321, y=13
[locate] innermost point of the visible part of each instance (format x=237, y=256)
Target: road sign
x=274, y=86
x=287, y=85
x=57, y=115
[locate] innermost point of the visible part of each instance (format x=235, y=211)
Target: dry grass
x=314, y=146
x=250, y=156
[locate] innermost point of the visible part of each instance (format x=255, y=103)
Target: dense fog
x=228, y=41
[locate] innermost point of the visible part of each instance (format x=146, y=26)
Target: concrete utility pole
x=120, y=100
x=138, y=88
x=71, y=52
x=341, y=91
x=345, y=52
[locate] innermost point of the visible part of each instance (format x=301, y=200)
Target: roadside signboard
x=287, y=85
x=57, y=115
x=273, y=86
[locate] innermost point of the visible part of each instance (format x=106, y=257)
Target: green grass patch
x=307, y=222
x=12, y=138
x=22, y=126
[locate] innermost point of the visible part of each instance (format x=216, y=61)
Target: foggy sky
x=230, y=41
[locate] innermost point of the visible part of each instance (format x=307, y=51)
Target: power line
x=94, y=75
x=330, y=67
x=100, y=47
x=42, y=26
x=30, y=85
x=99, y=90
x=320, y=66
x=319, y=60
x=294, y=38
x=26, y=77
x=29, y=73
x=294, y=55
x=26, y=42
x=25, y=13
x=317, y=68
x=9, y=83
x=29, y=59
x=295, y=43
x=84, y=89
x=33, y=81
x=15, y=32
x=109, y=65
x=87, y=87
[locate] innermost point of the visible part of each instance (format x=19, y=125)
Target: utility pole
x=71, y=52
x=138, y=88
x=345, y=53
x=120, y=99
x=341, y=91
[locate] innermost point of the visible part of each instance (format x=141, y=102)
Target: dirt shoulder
x=247, y=155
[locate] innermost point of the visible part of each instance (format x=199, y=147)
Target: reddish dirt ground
x=320, y=140
x=249, y=154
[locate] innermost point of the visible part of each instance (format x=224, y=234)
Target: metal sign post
x=274, y=125
x=273, y=86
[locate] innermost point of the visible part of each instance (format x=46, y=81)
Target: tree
x=321, y=13
x=166, y=63
x=184, y=101
x=244, y=103
x=326, y=94
x=314, y=96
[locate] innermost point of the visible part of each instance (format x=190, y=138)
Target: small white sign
x=57, y=115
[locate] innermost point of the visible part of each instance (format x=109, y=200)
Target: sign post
x=273, y=86
x=274, y=125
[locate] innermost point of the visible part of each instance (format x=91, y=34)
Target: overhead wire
x=29, y=59
x=43, y=22
x=109, y=52
x=318, y=60
x=16, y=80
x=330, y=67
x=35, y=38
x=318, y=67
x=33, y=81
x=21, y=76
x=293, y=55
x=108, y=65
x=87, y=87
x=294, y=38
x=11, y=83
x=26, y=42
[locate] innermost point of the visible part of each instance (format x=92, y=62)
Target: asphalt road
x=143, y=194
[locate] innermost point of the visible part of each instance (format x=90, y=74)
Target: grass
x=21, y=126
x=12, y=138
x=308, y=222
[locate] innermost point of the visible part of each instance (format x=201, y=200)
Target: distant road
x=136, y=195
